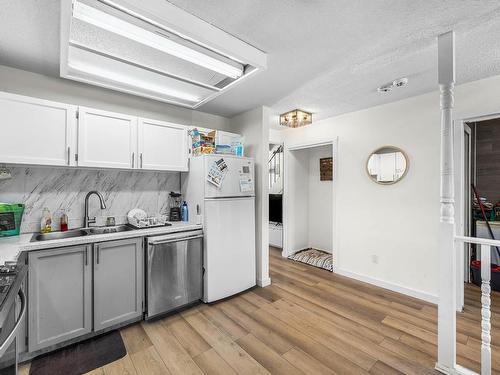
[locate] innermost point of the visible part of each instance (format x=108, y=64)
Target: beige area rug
x=313, y=257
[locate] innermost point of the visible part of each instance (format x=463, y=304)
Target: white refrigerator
x=223, y=188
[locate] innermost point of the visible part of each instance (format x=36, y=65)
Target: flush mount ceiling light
x=400, y=82
x=158, y=51
x=296, y=118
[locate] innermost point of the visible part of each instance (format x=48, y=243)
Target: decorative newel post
x=447, y=256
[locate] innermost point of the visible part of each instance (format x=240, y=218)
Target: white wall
x=66, y=91
x=320, y=202
x=388, y=234
x=254, y=126
x=296, y=201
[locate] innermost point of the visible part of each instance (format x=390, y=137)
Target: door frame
x=290, y=147
x=459, y=165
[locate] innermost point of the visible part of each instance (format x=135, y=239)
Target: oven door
x=8, y=338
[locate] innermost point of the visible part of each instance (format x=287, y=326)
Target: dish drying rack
x=148, y=222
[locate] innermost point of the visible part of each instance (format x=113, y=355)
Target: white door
x=238, y=178
x=36, y=131
x=229, y=253
x=162, y=146
x=106, y=139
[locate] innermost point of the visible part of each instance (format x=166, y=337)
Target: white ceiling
x=326, y=56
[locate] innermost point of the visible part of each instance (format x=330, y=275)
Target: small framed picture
x=326, y=169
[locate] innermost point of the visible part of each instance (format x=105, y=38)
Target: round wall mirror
x=387, y=165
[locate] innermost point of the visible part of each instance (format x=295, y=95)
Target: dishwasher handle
x=175, y=239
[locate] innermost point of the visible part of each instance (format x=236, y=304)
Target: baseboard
x=391, y=286
x=264, y=282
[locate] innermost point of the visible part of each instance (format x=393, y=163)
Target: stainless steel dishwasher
x=174, y=271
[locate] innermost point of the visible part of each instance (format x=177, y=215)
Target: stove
x=8, y=273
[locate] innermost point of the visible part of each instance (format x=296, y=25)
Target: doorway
x=275, y=165
x=478, y=193
x=308, y=204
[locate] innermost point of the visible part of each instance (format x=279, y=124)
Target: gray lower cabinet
x=73, y=291
x=118, y=282
x=59, y=295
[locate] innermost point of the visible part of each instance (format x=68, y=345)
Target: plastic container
x=64, y=221
x=495, y=275
x=11, y=215
x=46, y=222
x=184, y=212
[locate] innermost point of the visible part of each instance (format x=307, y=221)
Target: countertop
x=12, y=247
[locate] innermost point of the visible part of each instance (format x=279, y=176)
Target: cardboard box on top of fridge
x=206, y=141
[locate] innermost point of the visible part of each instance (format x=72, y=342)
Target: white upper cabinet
x=36, y=131
x=162, y=146
x=106, y=139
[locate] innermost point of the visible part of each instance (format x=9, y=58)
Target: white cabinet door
x=163, y=146
x=36, y=131
x=106, y=139
x=118, y=282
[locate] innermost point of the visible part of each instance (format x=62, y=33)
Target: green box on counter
x=11, y=215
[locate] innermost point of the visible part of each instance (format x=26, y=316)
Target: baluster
x=485, y=310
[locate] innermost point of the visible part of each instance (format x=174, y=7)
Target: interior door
x=106, y=139
x=467, y=199
x=36, y=131
x=162, y=145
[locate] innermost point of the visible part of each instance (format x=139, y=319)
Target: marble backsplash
x=60, y=188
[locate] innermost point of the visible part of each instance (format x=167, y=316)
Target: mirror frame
x=388, y=182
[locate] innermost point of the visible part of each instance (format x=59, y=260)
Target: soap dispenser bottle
x=46, y=222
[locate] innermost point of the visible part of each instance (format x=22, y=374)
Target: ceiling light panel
x=162, y=43
x=159, y=52
x=84, y=64
x=104, y=42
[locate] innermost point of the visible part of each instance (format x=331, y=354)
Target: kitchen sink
x=114, y=229
x=80, y=232
x=59, y=235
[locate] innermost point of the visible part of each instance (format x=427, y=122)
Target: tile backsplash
x=61, y=188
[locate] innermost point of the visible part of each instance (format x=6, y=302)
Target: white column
x=447, y=256
x=485, y=310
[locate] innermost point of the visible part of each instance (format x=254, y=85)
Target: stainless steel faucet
x=87, y=220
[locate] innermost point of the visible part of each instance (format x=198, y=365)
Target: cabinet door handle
x=141, y=160
x=97, y=254
x=86, y=256
x=133, y=157
x=69, y=152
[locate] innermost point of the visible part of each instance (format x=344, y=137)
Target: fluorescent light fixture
x=128, y=30
x=112, y=72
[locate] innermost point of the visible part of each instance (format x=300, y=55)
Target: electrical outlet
x=375, y=259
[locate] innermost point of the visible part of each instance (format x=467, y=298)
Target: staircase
x=275, y=170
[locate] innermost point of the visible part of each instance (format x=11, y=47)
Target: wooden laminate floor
x=309, y=321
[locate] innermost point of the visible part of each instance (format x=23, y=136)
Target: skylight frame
x=181, y=23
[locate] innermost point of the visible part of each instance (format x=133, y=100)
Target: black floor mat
x=82, y=357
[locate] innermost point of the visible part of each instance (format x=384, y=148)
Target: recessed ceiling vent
x=158, y=51
x=400, y=82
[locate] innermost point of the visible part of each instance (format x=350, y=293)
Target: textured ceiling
x=326, y=56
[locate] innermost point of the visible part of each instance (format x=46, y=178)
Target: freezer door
x=174, y=274
x=239, y=180
x=229, y=247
